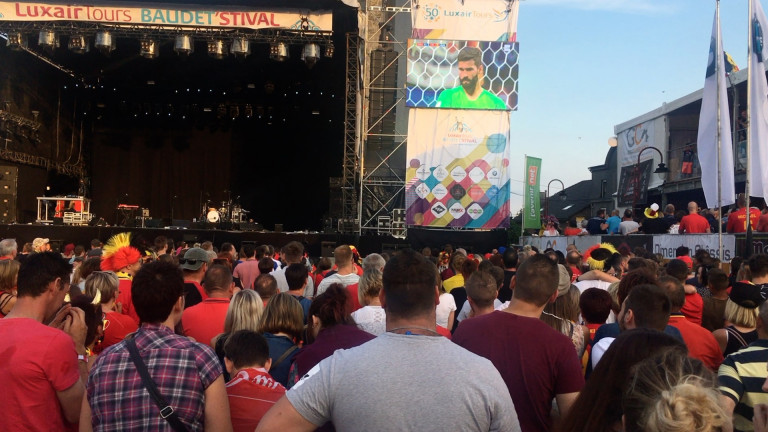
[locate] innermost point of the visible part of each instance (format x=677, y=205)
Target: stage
x=315, y=243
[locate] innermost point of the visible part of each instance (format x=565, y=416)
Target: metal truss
x=350, y=165
x=141, y=31
x=382, y=184
x=72, y=170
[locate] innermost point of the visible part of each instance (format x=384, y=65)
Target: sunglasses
x=189, y=261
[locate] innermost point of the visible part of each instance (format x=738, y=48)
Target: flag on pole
x=531, y=194
x=712, y=107
x=730, y=65
x=758, y=123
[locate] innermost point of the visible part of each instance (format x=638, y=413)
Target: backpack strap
x=282, y=358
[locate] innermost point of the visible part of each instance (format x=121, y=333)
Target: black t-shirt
x=505, y=292
x=191, y=295
x=654, y=226
x=593, y=226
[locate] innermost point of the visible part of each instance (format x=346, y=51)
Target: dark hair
x=637, y=263
x=262, y=252
x=160, y=243
x=296, y=276
x=471, y=53
x=39, y=270
x=675, y=291
x=758, y=265
x=678, y=269
x=682, y=251
x=266, y=265
x=330, y=307
x=323, y=264
x=573, y=258
x=292, y=252
x=735, y=265
x=717, y=279
x=482, y=288
x=468, y=267
x=628, y=213
x=249, y=249
x=598, y=406
x=650, y=306
x=265, y=285
x=227, y=247
x=409, y=283
x=632, y=279
x=93, y=316
x=596, y=305
x=498, y=275
x=537, y=279
x=155, y=289
x=217, y=278
x=246, y=348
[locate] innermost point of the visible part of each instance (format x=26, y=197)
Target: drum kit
x=228, y=212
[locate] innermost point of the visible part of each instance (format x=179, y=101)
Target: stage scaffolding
x=374, y=155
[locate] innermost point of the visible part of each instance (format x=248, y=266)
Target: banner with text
x=532, y=194
x=488, y=20
x=667, y=244
x=633, y=140
x=457, y=172
x=169, y=15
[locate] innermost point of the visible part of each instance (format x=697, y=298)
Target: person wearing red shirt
x=125, y=260
x=693, y=308
x=103, y=286
x=251, y=391
x=693, y=222
x=737, y=220
x=700, y=342
x=762, y=222
x=194, y=265
x=205, y=320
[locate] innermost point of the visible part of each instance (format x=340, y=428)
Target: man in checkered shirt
x=188, y=374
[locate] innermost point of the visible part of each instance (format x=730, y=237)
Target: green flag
x=531, y=195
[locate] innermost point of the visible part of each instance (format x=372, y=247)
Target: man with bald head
x=693, y=222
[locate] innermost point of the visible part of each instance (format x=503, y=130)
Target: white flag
x=707, y=139
x=758, y=123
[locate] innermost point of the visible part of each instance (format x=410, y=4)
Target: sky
x=588, y=65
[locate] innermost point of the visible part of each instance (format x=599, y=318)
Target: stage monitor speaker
x=251, y=226
x=58, y=221
x=183, y=223
x=97, y=221
x=153, y=223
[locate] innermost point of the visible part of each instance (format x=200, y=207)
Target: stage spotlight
x=48, y=39
x=217, y=49
x=104, y=42
x=78, y=44
x=17, y=41
x=184, y=45
x=148, y=48
x=279, y=51
x=329, y=50
x=241, y=47
x=310, y=54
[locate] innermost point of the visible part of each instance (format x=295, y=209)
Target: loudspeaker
x=9, y=177
x=153, y=223
x=251, y=226
x=183, y=223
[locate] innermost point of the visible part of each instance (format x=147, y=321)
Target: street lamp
x=563, y=195
x=661, y=170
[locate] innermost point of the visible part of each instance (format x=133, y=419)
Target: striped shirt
x=741, y=378
x=182, y=369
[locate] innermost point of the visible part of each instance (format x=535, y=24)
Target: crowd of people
x=128, y=335
x=695, y=220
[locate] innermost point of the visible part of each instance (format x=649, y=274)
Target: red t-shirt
x=762, y=223
x=737, y=221
x=550, y=368
x=572, y=231
x=443, y=331
x=118, y=328
x=38, y=361
x=252, y=392
x=693, y=308
x=693, y=224
x=124, y=287
x=205, y=320
x=353, y=302
x=701, y=344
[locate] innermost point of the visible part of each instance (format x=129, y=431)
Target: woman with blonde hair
x=371, y=317
x=102, y=287
x=282, y=325
x=672, y=392
x=244, y=313
x=9, y=272
x=741, y=310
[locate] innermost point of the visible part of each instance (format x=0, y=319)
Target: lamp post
x=661, y=170
x=563, y=195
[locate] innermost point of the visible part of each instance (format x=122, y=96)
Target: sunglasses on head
x=189, y=261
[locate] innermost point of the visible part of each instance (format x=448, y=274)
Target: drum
x=213, y=216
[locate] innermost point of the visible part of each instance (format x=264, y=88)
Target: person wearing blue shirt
x=613, y=222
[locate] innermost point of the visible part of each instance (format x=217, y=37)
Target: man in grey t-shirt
x=397, y=381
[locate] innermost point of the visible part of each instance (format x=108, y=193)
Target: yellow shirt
x=452, y=282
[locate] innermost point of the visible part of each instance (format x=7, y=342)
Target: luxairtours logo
x=431, y=12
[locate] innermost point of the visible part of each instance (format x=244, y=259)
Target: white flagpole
x=718, y=59
x=750, y=65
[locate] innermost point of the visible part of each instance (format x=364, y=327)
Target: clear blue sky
x=588, y=65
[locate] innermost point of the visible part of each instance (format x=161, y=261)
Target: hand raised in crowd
x=75, y=327
x=60, y=316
